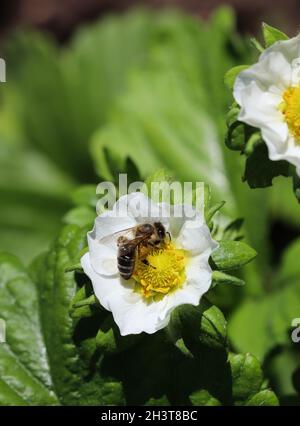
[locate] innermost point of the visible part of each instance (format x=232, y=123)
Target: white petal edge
x=195, y=238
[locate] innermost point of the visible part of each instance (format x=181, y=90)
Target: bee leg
x=169, y=236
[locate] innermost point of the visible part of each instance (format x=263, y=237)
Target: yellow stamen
x=160, y=271
x=290, y=108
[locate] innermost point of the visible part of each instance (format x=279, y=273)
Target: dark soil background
x=61, y=17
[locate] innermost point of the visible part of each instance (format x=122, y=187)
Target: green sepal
x=272, y=35
x=253, y=141
x=89, y=301
x=220, y=278
x=233, y=231
x=256, y=44
x=232, y=255
x=238, y=133
x=84, y=304
x=260, y=170
x=76, y=266
x=209, y=214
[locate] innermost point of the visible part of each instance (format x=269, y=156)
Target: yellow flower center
x=160, y=271
x=290, y=108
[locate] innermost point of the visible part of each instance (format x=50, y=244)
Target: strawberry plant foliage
x=63, y=348
x=161, y=106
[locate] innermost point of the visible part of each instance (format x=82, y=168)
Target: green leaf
x=24, y=366
x=81, y=216
x=69, y=347
x=252, y=316
x=232, y=74
x=85, y=195
x=263, y=398
x=247, y=376
x=48, y=144
x=160, y=176
x=62, y=130
x=220, y=278
x=203, y=398
x=86, y=357
x=34, y=196
x=176, y=126
x=202, y=325
x=232, y=255
x=272, y=35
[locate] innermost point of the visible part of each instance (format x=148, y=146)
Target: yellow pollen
x=290, y=108
x=160, y=271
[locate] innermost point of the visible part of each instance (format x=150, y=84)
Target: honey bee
x=130, y=241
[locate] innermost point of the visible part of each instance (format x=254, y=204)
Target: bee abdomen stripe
x=123, y=268
x=125, y=261
x=126, y=276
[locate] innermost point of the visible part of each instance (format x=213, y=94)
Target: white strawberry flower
x=178, y=273
x=269, y=95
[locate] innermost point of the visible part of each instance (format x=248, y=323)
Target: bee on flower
x=141, y=279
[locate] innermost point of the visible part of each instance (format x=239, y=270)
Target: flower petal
x=271, y=73
x=109, y=223
x=289, y=49
x=103, y=286
x=103, y=257
x=260, y=108
x=195, y=238
x=179, y=214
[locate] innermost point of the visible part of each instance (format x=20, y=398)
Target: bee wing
x=112, y=239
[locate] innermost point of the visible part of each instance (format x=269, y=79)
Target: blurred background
x=62, y=17
x=95, y=88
